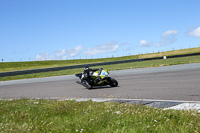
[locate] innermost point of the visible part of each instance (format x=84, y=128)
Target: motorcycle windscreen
x=104, y=73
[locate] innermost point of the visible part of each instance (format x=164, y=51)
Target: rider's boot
x=85, y=84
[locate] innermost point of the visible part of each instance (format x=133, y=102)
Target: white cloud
x=43, y=56
x=60, y=54
x=144, y=43
x=103, y=48
x=170, y=32
x=195, y=32
x=74, y=51
x=167, y=38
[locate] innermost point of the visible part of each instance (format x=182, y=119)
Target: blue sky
x=72, y=29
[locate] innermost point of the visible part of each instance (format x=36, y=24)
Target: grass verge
x=16, y=66
x=143, y=64
x=70, y=116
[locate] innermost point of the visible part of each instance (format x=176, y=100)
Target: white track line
x=186, y=106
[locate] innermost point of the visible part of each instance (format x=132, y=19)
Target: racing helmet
x=86, y=68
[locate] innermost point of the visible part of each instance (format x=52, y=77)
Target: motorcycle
x=94, y=80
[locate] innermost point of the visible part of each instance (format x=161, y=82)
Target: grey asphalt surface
x=178, y=82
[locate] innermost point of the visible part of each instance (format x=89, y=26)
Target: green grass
x=15, y=66
x=91, y=117
x=143, y=64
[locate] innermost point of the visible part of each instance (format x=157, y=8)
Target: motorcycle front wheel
x=113, y=82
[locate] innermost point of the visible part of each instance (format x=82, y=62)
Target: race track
x=178, y=82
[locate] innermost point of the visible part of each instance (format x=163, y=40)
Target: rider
x=86, y=77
